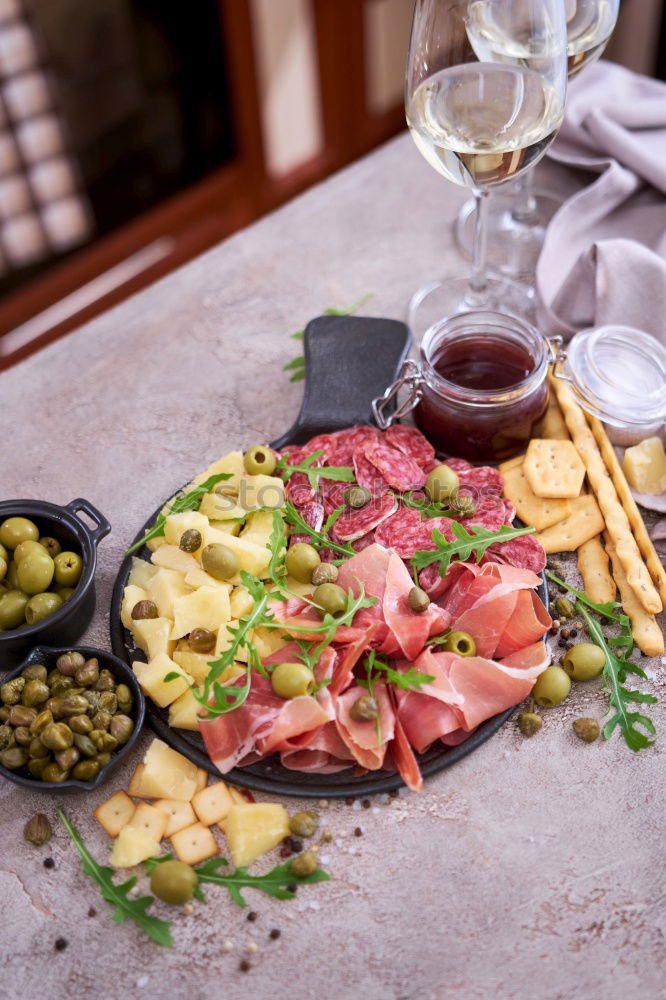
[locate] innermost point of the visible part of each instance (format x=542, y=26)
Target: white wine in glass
x=480, y=123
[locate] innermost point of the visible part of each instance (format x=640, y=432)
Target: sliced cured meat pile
x=388, y=644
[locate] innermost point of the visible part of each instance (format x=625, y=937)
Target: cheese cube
x=252, y=558
x=261, y=491
x=153, y=636
x=231, y=463
x=241, y=602
x=180, y=815
x=196, y=578
x=171, y=557
x=176, y=524
x=150, y=819
x=151, y=678
x=223, y=643
x=184, y=712
x=136, y=787
x=252, y=829
x=221, y=507
x=644, y=466
x=132, y=847
x=207, y=607
x=223, y=528
x=155, y=543
x=194, y=844
x=131, y=596
x=197, y=665
x=115, y=813
x=212, y=803
x=258, y=527
x=141, y=573
x=267, y=641
x=165, y=588
x=167, y=774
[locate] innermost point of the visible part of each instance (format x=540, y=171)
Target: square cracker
x=584, y=522
x=531, y=509
x=554, y=468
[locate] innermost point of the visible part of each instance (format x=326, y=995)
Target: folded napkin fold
x=604, y=256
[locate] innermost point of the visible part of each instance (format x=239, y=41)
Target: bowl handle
x=103, y=527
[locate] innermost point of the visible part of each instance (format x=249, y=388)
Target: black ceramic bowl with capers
x=122, y=675
x=68, y=622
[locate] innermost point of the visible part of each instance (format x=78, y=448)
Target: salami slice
x=313, y=514
x=509, y=512
x=482, y=478
x=353, y=440
x=332, y=494
x=458, y=464
x=410, y=442
x=525, y=552
x=397, y=469
x=354, y=524
x=367, y=475
x=362, y=543
x=299, y=492
x=490, y=517
x=406, y=532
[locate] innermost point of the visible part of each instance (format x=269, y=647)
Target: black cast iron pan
x=349, y=361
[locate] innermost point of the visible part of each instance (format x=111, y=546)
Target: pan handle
x=349, y=361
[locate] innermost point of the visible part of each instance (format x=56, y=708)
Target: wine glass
x=518, y=215
x=481, y=122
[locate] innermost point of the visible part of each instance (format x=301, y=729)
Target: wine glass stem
x=525, y=209
x=478, y=279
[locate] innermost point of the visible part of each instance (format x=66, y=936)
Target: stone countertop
x=533, y=868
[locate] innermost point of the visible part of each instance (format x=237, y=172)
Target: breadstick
x=617, y=522
x=598, y=582
x=647, y=635
x=652, y=560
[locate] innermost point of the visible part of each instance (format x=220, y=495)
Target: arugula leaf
x=427, y=510
x=410, y=680
x=340, y=473
x=273, y=883
x=329, y=624
x=180, y=503
x=277, y=543
x=117, y=895
x=614, y=673
x=297, y=362
x=318, y=538
x=438, y=640
x=477, y=540
x=608, y=610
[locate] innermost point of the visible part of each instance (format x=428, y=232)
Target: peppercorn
x=327, y=836
x=252, y=916
x=573, y=632
x=244, y=965
x=49, y=863
x=349, y=801
x=291, y=888
x=565, y=633
x=285, y=852
x=554, y=628
x=92, y=912
x=60, y=943
x=294, y=845
x=358, y=832
x=275, y=934
x=366, y=803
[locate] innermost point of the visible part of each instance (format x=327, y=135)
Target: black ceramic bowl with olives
x=68, y=716
x=64, y=554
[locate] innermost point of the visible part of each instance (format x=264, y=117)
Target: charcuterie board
x=349, y=361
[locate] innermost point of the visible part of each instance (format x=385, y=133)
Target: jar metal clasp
x=558, y=356
x=409, y=377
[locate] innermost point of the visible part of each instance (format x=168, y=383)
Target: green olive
x=35, y=693
x=460, y=643
x=331, y=598
x=357, y=496
x=364, y=709
x=442, y=484
x=3, y=568
x=69, y=663
x=15, y=530
x=220, y=561
x=12, y=609
x=35, y=572
x=68, y=568
x=41, y=605
x=552, y=687
x=12, y=575
x=174, y=882
x=324, y=573
x=259, y=460
x=143, y=610
x=201, y=640
x=64, y=592
x=584, y=662
x=22, y=550
x=52, y=545
x=290, y=680
x=301, y=560
x=418, y=600
x=190, y=540
x=86, y=770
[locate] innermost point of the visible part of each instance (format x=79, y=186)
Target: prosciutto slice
x=361, y=737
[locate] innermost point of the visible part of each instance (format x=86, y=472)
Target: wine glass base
x=514, y=245
x=441, y=299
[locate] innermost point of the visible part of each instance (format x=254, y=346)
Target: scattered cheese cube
x=223, y=643
x=644, y=466
x=268, y=640
x=151, y=678
x=258, y=527
x=136, y=786
x=132, y=847
x=180, y=815
x=252, y=829
x=207, y=607
x=115, y=813
x=167, y=774
x=212, y=803
x=194, y=843
x=241, y=602
x=222, y=528
x=197, y=577
x=220, y=507
x=150, y=819
x=197, y=665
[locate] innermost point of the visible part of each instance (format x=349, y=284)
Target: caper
x=53, y=706
x=22, y=736
x=586, y=730
x=41, y=721
x=190, y=540
x=418, y=600
x=80, y=724
x=22, y=715
x=174, y=882
x=87, y=674
x=331, y=598
x=52, y=774
x=52, y=545
x=66, y=759
x=37, y=830
x=144, y=609
x=4, y=713
x=86, y=746
x=73, y=704
x=108, y=702
x=124, y=696
x=101, y=719
x=304, y=824
x=92, y=697
x=460, y=643
x=121, y=728
x=103, y=741
x=6, y=736
x=357, y=496
x=69, y=663
x=442, y=484
x=220, y=561
x=551, y=687
x=290, y=680
x=57, y=736
x=10, y=692
x=529, y=723
x=463, y=505
x=14, y=757
x=86, y=770
x=304, y=864
x=35, y=672
x=364, y=709
x=105, y=682
x=61, y=686
x=584, y=662
x=564, y=608
x=35, y=693
x=36, y=748
x=324, y=573
x=301, y=560
x=103, y=758
x=258, y=460
x=37, y=766
x=201, y=640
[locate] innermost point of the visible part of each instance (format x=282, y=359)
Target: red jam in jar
x=484, y=386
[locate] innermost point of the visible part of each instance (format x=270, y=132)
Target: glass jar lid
x=618, y=374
